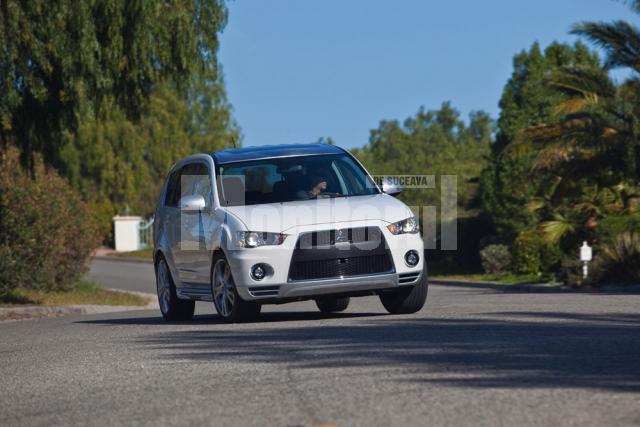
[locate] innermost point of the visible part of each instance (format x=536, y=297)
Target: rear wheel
x=171, y=307
x=332, y=304
x=226, y=300
x=407, y=299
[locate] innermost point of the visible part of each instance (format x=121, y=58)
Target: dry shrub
x=46, y=231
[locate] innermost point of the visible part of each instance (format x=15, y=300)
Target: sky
x=298, y=70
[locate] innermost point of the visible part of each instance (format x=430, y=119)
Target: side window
x=188, y=177
x=183, y=182
x=173, y=189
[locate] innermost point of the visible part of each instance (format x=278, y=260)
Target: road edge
x=112, y=258
x=14, y=314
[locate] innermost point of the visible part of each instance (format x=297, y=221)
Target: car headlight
x=252, y=239
x=409, y=225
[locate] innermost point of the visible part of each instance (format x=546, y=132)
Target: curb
x=525, y=288
x=111, y=258
x=12, y=314
x=540, y=288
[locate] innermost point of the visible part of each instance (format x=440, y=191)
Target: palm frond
x=536, y=204
x=619, y=39
x=583, y=82
x=574, y=105
x=551, y=156
x=633, y=5
x=556, y=229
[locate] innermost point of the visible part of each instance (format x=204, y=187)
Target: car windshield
x=290, y=179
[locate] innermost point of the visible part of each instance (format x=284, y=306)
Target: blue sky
x=297, y=70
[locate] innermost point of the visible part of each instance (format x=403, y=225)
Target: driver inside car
x=318, y=189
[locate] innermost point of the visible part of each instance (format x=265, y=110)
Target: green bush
x=103, y=213
x=495, y=259
x=618, y=262
x=609, y=228
x=46, y=231
x=533, y=256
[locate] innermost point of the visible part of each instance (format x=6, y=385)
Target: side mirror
x=193, y=203
x=391, y=187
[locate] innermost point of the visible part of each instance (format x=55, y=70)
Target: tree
x=506, y=184
x=116, y=163
x=62, y=60
x=113, y=92
x=590, y=150
x=434, y=142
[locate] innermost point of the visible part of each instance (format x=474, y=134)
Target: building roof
x=273, y=151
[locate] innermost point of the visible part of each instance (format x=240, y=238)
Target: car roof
x=232, y=155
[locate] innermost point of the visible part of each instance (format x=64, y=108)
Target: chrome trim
x=331, y=286
x=318, y=287
x=408, y=278
x=335, y=279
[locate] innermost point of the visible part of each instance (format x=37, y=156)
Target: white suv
x=259, y=225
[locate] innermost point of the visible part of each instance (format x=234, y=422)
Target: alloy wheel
x=223, y=288
x=164, y=286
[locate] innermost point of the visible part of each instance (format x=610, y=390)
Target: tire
x=408, y=299
x=332, y=305
x=171, y=307
x=230, y=307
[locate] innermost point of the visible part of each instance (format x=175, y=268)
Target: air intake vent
x=346, y=252
x=408, y=277
x=264, y=291
x=341, y=267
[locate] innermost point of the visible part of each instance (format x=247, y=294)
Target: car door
x=196, y=230
x=206, y=223
x=170, y=220
x=185, y=223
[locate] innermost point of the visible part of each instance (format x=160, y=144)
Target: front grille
x=341, y=267
x=340, y=253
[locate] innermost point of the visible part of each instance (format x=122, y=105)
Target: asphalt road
x=474, y=356
x=127, y=275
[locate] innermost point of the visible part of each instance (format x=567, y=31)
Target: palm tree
x=619, y=40
x=589, y=156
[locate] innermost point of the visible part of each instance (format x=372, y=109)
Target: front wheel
x=171, y=306
x=407, y=299
x=226, y=300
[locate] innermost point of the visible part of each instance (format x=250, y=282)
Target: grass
x=146, y=254
x=85, y=293
x=502, y=278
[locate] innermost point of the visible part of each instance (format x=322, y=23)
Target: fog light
x=412, y=258
x=258, y=271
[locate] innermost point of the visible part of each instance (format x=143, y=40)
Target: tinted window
x=173, y=189
x=188, y=180
x=293, y=178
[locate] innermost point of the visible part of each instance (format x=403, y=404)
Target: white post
x=585, y=256
x=126, y=233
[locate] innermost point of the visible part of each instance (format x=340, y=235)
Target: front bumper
x=312, y=288
x=278, y=286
